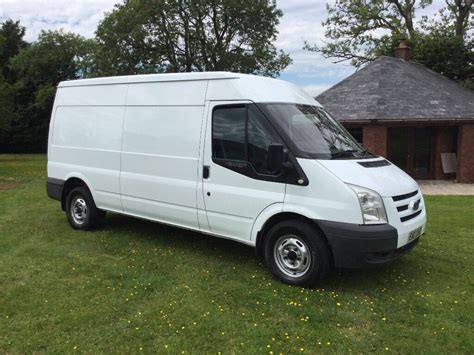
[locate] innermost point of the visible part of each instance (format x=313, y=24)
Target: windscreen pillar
x=465, y=155
x=374, y=139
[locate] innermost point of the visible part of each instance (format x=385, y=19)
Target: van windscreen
x=313, y=132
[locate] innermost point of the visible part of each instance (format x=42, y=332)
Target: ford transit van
x=242, y=157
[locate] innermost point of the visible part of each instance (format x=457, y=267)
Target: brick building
x=409, y=114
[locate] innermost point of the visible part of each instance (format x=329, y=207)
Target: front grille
x=405, y=196
x=407, y=218
x=403, y=202
x=402, y=208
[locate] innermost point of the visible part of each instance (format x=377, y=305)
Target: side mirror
x=275, y=157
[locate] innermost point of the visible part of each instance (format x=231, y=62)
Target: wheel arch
x=71, y=183
x=279, y=217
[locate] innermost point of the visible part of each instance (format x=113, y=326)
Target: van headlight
x=371, y=204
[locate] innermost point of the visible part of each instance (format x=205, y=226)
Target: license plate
x=414, y=234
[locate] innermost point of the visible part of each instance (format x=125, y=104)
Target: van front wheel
x=297, y=253
x=81, y=211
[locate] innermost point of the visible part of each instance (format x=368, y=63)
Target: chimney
x=403, y=51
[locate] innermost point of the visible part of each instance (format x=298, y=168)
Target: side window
x=260, y=136
x=241, y=133
x=228, y=133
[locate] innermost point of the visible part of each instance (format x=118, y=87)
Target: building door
x=410, y=149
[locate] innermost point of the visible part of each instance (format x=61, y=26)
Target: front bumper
x=355, y=246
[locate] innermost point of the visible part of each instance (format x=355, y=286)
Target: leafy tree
x=54, y=57
x=185, y=35
x=360, y=30
x=11, y=42
x=357, y=28
x=445, y=43
x=7, y=109
x=460, y=10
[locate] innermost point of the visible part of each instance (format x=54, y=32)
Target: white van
x=243, y=157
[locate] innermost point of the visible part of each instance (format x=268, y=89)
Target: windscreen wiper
x=367, y=154
x=344, y=153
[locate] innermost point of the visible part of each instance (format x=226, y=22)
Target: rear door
x=236, y=183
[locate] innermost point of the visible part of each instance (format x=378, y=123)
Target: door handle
x=206, y=172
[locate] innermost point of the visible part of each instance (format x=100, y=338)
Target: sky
x=301, y=21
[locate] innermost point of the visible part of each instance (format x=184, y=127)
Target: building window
x=356, y=132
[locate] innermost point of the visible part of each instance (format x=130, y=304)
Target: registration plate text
x=415, y=234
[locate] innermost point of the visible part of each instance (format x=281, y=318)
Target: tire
x=296, y=253
x=81, y=211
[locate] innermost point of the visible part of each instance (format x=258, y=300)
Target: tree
x=56, y=56
x=360, y=30
x=440, y=48
x=39, y=67
x=185, y=35
x=7, y=109
x=461, y=11
x=11, y=42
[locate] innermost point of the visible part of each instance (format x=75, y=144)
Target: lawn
x=136, y=286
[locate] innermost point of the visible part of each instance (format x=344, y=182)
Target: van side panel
x=160, y=151
x=177, y=93
x=98, y=95
x=86, y=140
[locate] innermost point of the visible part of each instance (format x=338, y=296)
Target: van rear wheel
x=296, y=253
x=81, y=211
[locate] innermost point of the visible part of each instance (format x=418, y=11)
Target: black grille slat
x=374, y=164
x=405, y=196
x=402, y=208
x=407, y=218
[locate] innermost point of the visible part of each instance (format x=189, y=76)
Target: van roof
x=221, y=86
x=144, y=78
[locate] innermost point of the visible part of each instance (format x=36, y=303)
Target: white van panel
x=257, y=89
x=164, y=131
x=235, y=201
x=91, y=127
x=98, y=169
x=325, y=198
x=182, y=93
x=100, y=95
x=388, y=180
x=160, y=163
x=86, y=143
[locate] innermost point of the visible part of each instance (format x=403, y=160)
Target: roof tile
x=393, y=89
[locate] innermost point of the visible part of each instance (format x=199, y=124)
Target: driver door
x=236, y=183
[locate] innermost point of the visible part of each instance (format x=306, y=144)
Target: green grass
x=136, y=286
